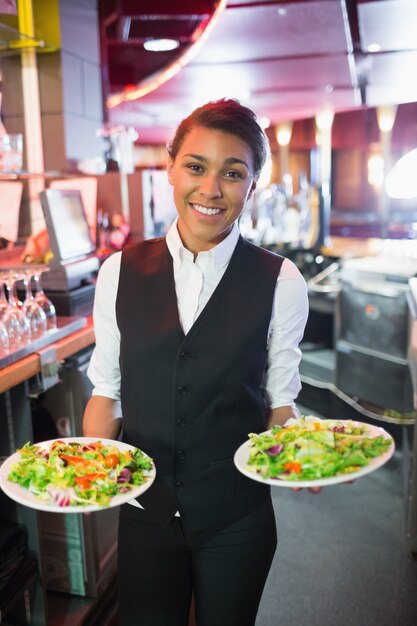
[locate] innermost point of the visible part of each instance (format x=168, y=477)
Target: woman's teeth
x=205, y=210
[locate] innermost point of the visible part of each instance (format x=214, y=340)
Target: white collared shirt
x=195, y=281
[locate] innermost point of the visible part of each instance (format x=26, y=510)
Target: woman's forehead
x=211, y=142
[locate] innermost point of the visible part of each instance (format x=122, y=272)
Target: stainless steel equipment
x=411, y=525
x=372, y=327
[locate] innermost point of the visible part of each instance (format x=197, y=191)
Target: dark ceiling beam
x=236, y=4
x=152, y=17
x=133, y=8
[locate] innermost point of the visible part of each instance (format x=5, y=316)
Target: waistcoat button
x=181, y=454
x=182, y=390
x=182, y=423
x=180, y=485
x=185, y=356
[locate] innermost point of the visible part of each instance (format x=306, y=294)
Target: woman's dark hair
x=228, y=116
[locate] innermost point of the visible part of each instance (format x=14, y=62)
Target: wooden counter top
x=351, y=247
x=30, y=366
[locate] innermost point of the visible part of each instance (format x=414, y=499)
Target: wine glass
x=4, y=303
x=14, y=319
x=4, y=340
x=4, y=337
x=32, y=310
x=15, y=277
x=42, y=300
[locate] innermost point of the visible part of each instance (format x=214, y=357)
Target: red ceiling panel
x=313, y=73
x=285, y=59
x=244, y=34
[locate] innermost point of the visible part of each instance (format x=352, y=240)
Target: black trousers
x=160, y=569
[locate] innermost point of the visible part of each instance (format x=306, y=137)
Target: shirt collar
x=220, y=255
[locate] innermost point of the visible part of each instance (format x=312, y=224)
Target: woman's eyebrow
x=232, y=160
x=198, y=157
x=228, y=161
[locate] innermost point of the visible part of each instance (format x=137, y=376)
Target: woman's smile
x=205, y=210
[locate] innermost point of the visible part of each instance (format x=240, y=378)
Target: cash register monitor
x=66, y=221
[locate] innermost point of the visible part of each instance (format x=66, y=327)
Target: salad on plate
x=80, y=472
x=316, y=451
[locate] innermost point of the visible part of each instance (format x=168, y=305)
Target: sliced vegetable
x=112, y=460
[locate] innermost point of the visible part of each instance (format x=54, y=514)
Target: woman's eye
x=233, y=174
x=194, y=167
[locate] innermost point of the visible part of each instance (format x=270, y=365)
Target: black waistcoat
x=190, y=400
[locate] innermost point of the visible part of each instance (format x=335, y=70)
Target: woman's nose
x=210, y=186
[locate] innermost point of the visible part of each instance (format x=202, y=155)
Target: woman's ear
x=252, y=189
x=170, y=172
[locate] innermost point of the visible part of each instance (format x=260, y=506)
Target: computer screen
x=87, y=186
x=66, y=221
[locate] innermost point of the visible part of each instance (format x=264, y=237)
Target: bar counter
x=21, y=380
x=30, y=365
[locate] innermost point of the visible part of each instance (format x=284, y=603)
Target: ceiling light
x=264, y=122
x=385, y=116
x=265, y=175
x=159, y=78
x=401, y=182
x=374, y=47
x=324, y=119
x=160, y=45
x=376, y=170
x=283, y=133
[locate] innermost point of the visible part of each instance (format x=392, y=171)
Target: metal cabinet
x=78, y=551
x=372, y=328
x=75, y=554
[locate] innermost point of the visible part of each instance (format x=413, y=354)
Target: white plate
x=25, y=497
x=242, y=455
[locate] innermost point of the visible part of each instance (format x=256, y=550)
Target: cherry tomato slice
x=112, y=460
x=82, y=482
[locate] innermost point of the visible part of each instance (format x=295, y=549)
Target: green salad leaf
x=311, y=448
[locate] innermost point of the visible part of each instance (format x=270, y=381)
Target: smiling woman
x=211, y=188
x=227, y=116
x=214, y=162
x=186, y=327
